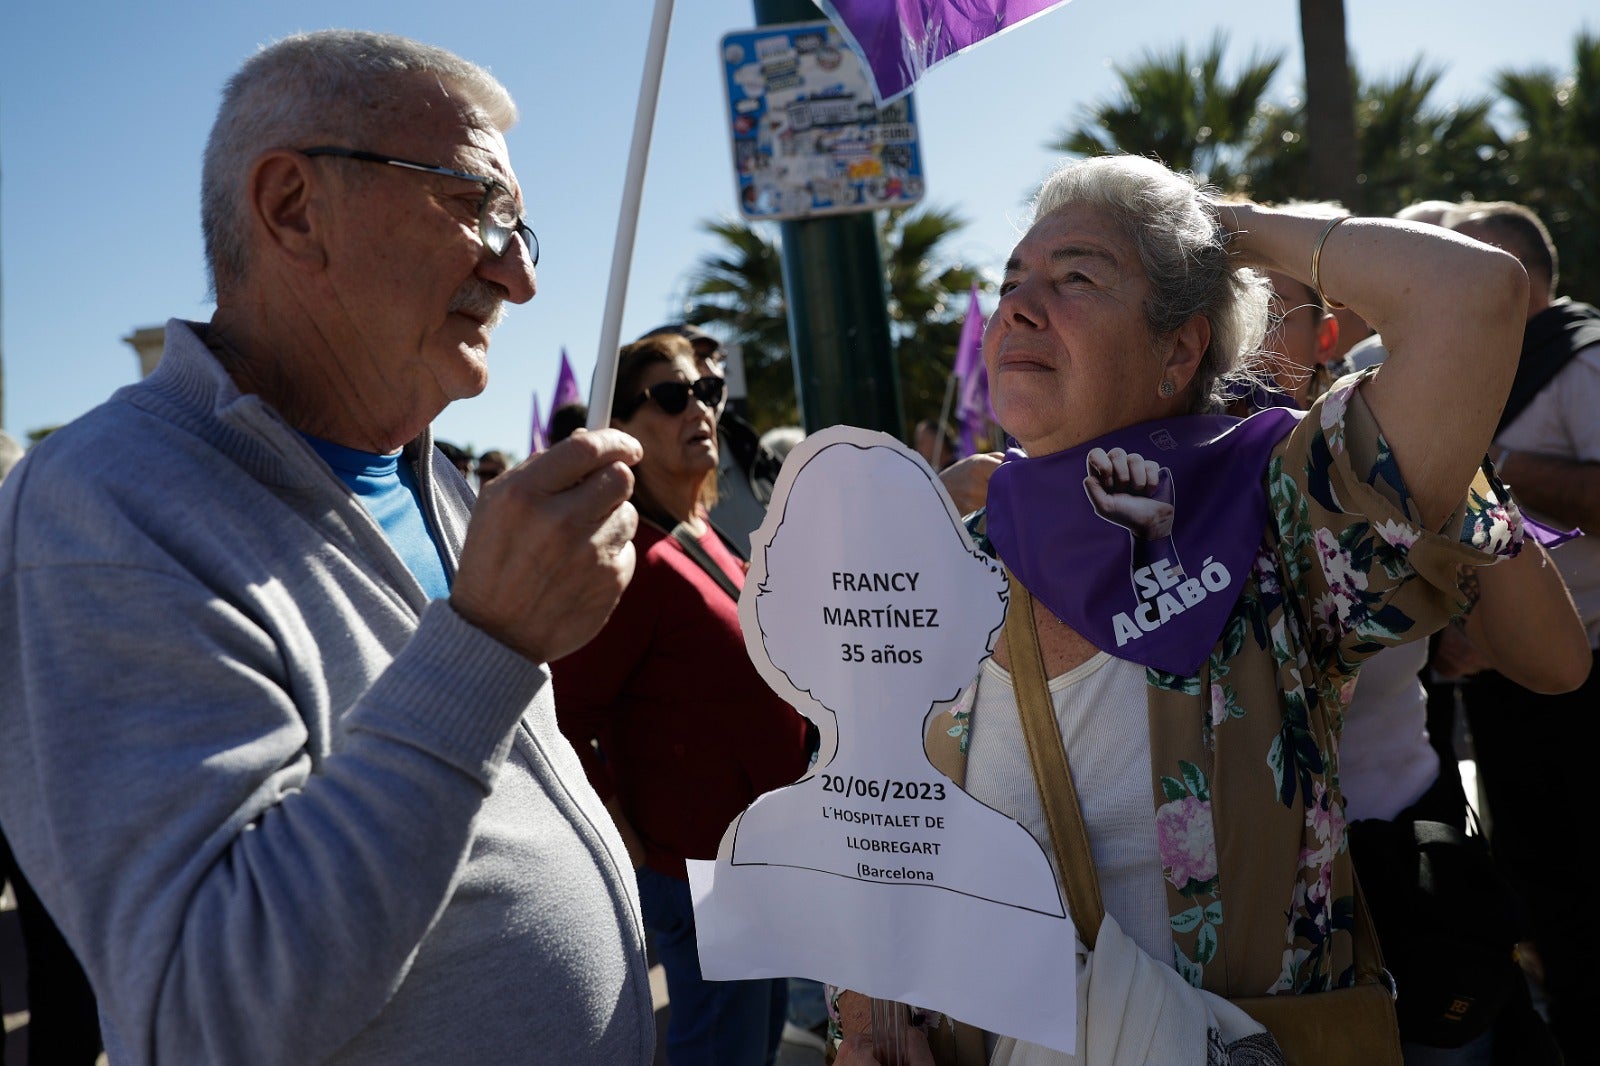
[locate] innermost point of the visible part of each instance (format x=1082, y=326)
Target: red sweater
x=688, y=733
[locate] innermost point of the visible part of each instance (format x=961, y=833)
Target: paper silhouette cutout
x=869, y=608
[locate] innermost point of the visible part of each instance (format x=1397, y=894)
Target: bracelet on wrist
x=1316, y=264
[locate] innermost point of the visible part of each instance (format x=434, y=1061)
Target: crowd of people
x=325, y=741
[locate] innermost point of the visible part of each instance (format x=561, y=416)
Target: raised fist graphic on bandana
x=1136, y=493
x=1132, y=491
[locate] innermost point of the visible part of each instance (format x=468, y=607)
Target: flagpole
x=605, y=367
x=968, y=368
x=944, y=416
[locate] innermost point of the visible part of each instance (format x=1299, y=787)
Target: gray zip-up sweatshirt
x=284, y=809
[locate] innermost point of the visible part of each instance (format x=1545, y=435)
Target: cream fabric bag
x=1137, y=1011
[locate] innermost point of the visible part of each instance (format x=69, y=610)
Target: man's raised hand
x=550, y=546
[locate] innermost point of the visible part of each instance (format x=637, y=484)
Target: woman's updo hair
x=1184, y=254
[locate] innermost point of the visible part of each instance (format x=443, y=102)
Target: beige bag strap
x=1051, y=773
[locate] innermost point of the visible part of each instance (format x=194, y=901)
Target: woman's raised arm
x=1451, y=312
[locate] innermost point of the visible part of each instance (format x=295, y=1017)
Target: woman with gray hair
x=1200, y=590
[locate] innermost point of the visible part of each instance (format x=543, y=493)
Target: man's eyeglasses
x=673, y=396
x=498, y=217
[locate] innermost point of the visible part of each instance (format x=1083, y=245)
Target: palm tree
x=738, y=292
x=1330, y=116
x=1553, y=156
x=1408, y=148
x=1180, y=109
x=1413, y=149
x=927, y=302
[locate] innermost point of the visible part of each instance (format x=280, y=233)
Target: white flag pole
x=605, y=366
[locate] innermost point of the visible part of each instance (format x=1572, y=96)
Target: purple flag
x=898, y=40
x=972, y=410
x=541, y=438
x=566, y=391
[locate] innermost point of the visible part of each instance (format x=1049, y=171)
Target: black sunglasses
x=498, y=217
x=673, y=396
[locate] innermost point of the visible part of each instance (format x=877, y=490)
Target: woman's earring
x=1167, y=388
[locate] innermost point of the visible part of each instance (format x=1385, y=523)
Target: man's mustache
x=482, y=300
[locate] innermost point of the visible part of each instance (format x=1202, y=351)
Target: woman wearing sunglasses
x=677, y=731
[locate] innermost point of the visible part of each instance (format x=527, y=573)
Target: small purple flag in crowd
x=541, y=438
x=567, y=391
x=973, y=413
x=898, y=40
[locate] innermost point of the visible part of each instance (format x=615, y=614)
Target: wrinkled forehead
x=1074, y=231
x=443, y=120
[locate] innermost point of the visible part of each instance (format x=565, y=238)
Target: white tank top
x=1101, y=710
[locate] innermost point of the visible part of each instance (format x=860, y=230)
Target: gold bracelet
x=1316, y=263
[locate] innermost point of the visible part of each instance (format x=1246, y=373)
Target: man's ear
x=284, y=196
x=1189, y=344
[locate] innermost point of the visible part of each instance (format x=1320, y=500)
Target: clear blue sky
x=104, y=109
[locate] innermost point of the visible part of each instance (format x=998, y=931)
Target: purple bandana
x=1145, y=559
x=1548, y=536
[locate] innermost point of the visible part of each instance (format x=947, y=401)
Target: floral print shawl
x=1245, y=753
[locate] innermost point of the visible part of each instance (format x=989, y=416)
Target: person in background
x=676, y=729
x=1126, y=301
x=1547, y=447
x=1302, y=341
x=935, y=443
x=780, y=440
x=1391, y=768
x=277, y=747
x=1428, y=212
x=567, y=418
x=746, y=470
x=1521, y=623
x=1448, y=652
x=62, y=1023
x=490, y=465
x=459, y=457
x=1353, y=329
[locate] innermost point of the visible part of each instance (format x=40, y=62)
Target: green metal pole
x=844, y=368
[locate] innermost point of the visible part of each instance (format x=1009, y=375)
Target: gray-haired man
x=277, y=744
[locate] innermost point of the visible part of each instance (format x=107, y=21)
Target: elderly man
x=277, y=744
